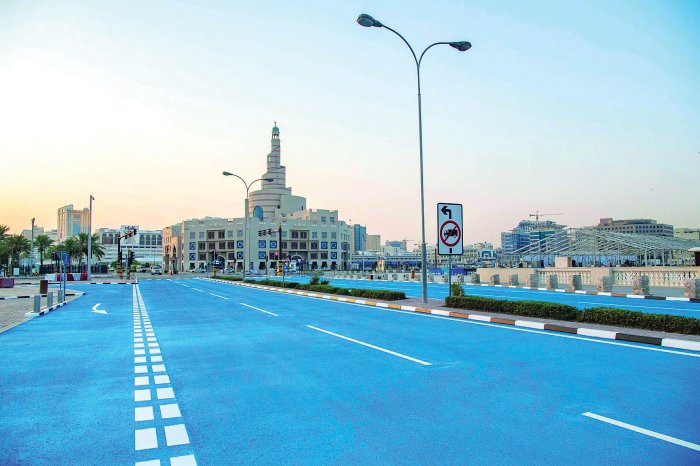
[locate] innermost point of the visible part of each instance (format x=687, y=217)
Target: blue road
x=210, y=373
x=581, y=301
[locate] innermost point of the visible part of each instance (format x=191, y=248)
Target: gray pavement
x=12, y=312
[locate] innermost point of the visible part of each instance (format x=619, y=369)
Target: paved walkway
x=12, y=312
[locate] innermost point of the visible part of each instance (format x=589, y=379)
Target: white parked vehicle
x=156, y=270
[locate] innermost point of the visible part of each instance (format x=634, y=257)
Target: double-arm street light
x=367, y=21
x=245, y=237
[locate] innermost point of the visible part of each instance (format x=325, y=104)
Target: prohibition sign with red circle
x=447, y=233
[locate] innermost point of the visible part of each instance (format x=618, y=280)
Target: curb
x=30, y=296
x=589, y=332
x=46, y=310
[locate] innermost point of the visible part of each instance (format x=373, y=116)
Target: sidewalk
x=12, y=312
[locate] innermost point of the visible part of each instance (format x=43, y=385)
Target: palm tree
x=73, y=248
x=3, y=231
x=42, y=243
x=14, y=246
x=3, y=252
x=98, y=250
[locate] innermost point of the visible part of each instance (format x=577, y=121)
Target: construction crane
x=537, y=215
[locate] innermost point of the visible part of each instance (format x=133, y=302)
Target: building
x=636, y=226
x=145, y=244
x=374, y=243
x=526, y=232
x=359, y=238
x=72, y=222
x=687, y=233
x=310, y=239
x=397, y=244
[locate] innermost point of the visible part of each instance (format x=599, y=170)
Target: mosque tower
x=275, y=197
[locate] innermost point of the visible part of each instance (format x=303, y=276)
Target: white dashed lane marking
x=258, y=309
x=218, y=296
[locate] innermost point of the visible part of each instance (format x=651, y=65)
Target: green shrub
x=230, y=278
x=597, y=315
x=457, y=289
x=314, y=279
x=325, y=288
x=634, y=319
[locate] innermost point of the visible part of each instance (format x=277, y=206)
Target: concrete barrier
x=605, y=284
x=692, y=288
x=552, y=282
x=575, y=282
x=513, y=280
x=640, y=285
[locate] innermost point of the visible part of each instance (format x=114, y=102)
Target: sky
x=590, y=109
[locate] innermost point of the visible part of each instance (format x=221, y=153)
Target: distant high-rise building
x=397, y=244
x=374, y=243
x=359, y=237
x=528, y=231
x=72, y=222
x=636, y=226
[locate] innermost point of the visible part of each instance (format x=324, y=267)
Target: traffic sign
x=449, y=218
x=66, y=259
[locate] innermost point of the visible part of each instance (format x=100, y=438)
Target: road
x=581, y=301
x=211, y=373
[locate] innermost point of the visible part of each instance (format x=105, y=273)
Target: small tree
x=457, y=289
x=43, y=243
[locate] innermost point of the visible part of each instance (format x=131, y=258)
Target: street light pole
x=246, y=246
x=31, y=250
x=367, y=21
x=89, y=254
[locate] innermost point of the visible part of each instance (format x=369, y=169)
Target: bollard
x=37, y=303
x=61, y=296
x=513, y=280
x=605, y=284
x=552, y=282
x=575, y=282
x=692, y=288
x=495, y=279
x=640, y=285
x=49, y=299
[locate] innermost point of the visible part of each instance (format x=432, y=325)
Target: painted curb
x=590, y=332
x=30, y=296
x=46, y=310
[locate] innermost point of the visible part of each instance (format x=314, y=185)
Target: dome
x=275, y=129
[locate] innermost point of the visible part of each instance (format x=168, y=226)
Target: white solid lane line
x=218, y=296
x=258, y=309
x=197, y=289
x=650, y=433
x=378, y=348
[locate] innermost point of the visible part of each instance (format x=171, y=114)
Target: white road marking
x=650, y=433
x=170, y=411
x=258, y=309
x=161, y=379
x=218, y=296
x=164, y=393
x=187, y=460
x=378, y=348
x=176, y=435
x=197, y=289
x=143, y=413
x=146, y=438
x=98, y=311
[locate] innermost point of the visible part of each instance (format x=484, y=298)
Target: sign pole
x=449, y=275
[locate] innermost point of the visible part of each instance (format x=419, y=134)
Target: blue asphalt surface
x=254, y=388
x=581, y=301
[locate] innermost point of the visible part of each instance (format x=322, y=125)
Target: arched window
x=258, y=212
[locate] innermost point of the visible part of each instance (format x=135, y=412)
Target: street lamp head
x=367, y=21
x=227, y=174
x=461, y=46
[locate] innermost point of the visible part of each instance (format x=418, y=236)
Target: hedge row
x=230, y=278
x=355, y=292
x=596, y=315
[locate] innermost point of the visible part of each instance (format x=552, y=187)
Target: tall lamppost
x=245, y=237
x=367, y=21
x=89, y=255
x=31, y=250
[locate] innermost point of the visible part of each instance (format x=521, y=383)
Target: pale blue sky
x=586, y=108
